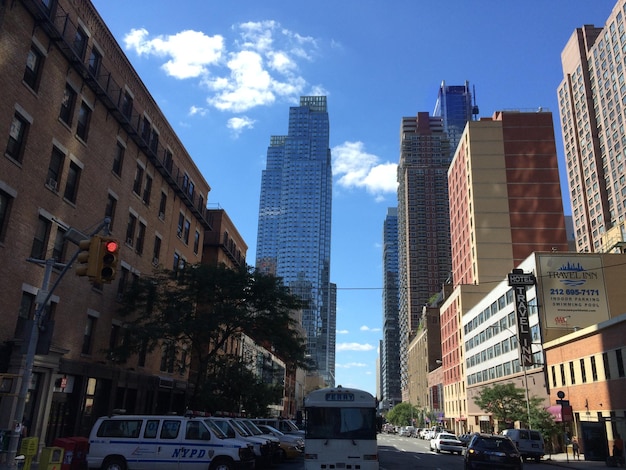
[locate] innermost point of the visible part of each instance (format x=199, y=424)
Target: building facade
x=293, y=240
x=390, y=350
x=591, y=108
x=505, y=203
x=83, y=141
x=427, y=145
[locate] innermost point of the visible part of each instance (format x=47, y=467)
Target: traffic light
x=107, y=260
x=88, y=257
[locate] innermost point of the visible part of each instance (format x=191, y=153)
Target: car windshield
x=216, y=430
x=494, y=444
x=242, y=430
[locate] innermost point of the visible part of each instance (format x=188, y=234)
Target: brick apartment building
x=83, y=140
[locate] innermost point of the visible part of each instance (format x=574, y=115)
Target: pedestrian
x=575, y=449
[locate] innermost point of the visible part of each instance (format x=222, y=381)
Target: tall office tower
x=295, y=220
x=390, y=351
x=591, y=99
x=454, y=106
x=423, y=225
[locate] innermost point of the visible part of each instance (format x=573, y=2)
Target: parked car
x=465, y=438
x=416, y=432
x=404, y=431
x=424, y=433
x=492, y=451
x=291, y=445
x=529, y=443
x=446, y=442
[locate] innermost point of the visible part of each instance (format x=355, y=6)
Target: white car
x=447, y=442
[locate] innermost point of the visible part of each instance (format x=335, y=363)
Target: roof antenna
x=475, y=107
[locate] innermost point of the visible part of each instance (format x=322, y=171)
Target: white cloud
x=260, y=67
x=353, y=347
x=193, y=110
x=367, y=328
x=237, y=124
x=358, y=169
x=350, y=365
x=190, y=52
x=342, y=332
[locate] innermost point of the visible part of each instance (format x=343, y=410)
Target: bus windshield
x=341, y=423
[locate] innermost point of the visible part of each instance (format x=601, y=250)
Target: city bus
x=340, y=429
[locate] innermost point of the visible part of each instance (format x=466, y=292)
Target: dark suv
x=492, y=451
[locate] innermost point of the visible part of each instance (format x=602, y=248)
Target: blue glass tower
x=454, y=106
x=293, y=240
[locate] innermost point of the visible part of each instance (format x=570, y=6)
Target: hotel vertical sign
x=519, y=280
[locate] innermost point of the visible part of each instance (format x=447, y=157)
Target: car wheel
x=222, y=464
x=438, y=450
x=114, y=463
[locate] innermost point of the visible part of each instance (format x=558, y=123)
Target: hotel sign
x=573, y=290
x=519, y=280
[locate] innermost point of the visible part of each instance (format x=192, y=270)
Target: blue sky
x=224, y=73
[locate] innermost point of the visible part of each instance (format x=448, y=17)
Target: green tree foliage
x=196, y=311
x=505, y=402
x=402, y=413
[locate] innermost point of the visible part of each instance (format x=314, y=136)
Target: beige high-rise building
x=591, y=104
x=505, y=203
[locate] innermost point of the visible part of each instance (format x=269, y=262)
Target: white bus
x=340, y=429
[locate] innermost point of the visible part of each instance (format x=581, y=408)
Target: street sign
x=521, y=279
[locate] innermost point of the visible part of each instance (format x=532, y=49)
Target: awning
x=561, y=413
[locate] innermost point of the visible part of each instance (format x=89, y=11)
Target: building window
x=90, y=326
x=147, y=190
x=562, y=367
x=118, y=159
x=186, y=230
x=80, y=43
x=620, y=362
x=71, y=186
x=138, y=180
x=594, y=369
x=17, y=137
x=34, y=65
x=5, y=206
x=127, y=105
x=196, y=242
x=121, y=285
x=162, y=206
x=156, y=251
x=583, y=371
x=40, y=241
x=55, y=168
x=109, y=211
x=60, y=246
x=141, y=236
x=572, y=374
x=607, y=368
x=146, y=129
x=168, y=357
x=67, y=104
x=177, y=262
x=181, y=222
x=95, y=60
x=84, y=117
x=130, y=229
x=553, y=376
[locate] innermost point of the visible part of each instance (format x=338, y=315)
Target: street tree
x=505, y=402
x=403, y=414
x=193, y=313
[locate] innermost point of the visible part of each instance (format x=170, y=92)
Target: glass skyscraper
x=454, y=106
x=293, y=239
x=390, y=350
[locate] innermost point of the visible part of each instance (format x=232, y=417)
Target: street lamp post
x=497, y=329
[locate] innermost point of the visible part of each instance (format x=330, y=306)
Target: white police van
x=164, y=442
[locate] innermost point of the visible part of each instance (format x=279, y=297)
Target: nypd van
x=164, y=442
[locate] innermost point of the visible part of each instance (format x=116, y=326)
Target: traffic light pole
x=42, y=299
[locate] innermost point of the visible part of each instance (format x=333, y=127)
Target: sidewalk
x=565, y=461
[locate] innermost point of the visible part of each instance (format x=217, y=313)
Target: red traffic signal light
x=108, y=258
